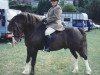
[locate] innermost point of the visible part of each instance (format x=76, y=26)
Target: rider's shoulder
x=58, y=7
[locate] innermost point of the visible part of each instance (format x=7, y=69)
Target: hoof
x=88, y=72
x=31, y=73
x=75, y=71
x=25, y=72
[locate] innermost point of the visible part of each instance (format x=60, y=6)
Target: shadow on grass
x=5, y=41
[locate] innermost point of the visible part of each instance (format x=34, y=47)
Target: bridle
x=19, y=32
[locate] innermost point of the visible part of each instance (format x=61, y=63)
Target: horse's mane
x=29, y=19
x=32, y=17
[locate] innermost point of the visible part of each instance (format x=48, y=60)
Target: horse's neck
x=42, y=27
x=39, y=31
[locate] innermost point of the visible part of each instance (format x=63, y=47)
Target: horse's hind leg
x=75, y=70
x=27, y=66
x=34, y=55
x=84, y=55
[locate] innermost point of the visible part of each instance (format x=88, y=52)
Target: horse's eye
x=14, y=29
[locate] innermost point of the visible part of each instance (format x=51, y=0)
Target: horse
x=32, y=27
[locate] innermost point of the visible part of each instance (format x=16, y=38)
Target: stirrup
x=46, y=49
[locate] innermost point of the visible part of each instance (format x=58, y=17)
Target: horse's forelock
x=10, y=26
x=14, y=20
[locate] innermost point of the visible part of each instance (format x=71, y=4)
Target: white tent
x=11, y=13
x=4, y=4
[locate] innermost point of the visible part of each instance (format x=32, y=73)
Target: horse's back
x=76, y=32
x=75, y=37
x=70, y=37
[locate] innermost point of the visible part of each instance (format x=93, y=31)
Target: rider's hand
x=44, y=21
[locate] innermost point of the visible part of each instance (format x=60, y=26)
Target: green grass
x=12, y=59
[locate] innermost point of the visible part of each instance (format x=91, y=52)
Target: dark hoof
x=31, y=73
x=47, y=50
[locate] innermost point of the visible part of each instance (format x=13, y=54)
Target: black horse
x=32, y=27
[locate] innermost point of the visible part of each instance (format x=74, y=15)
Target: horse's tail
x=84, y=39
x=82, y=32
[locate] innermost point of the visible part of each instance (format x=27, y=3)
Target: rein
x=20, y=34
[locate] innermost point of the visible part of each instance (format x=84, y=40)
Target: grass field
x=12, y=59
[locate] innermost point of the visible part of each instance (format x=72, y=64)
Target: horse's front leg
x=28, y=60
x=33, y=61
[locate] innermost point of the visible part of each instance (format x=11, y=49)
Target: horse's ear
x=9, y=20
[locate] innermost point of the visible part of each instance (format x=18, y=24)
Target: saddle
x=55, y=34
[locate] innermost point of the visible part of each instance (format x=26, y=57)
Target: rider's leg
x=48, y=31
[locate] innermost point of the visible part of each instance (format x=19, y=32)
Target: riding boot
x=47, y=43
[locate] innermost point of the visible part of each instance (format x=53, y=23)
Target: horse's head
x=24, y=22
x=16, y=26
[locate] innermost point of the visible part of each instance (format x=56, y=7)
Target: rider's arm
x=56, y=15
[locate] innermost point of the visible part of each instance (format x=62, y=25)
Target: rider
x=53, y=22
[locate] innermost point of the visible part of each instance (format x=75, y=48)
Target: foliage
x=43, y=6
x=62, y=3
x=22, y=7
x=81, y=3
x=13, y=2
x=93, y=9
x=34, y=9
x=69, y=8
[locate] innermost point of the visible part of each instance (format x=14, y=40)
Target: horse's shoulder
x=69, y=28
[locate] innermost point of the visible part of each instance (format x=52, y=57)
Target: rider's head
x=54, y=2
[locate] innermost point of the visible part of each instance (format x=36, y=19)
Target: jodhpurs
x=49, y=31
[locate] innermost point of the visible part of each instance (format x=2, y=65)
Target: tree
x=11, y=2
x=93, y=9
x=34, y=9
x=69, y=8
x=81, y=3
x=62, y=3
x=22, y=7
x=43, y=6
